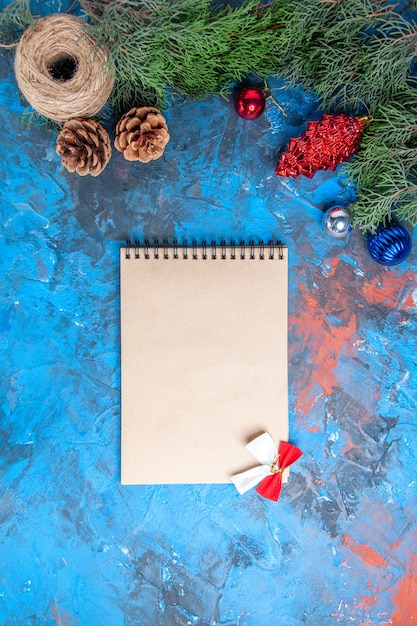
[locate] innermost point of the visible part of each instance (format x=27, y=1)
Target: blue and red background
x=77, y=548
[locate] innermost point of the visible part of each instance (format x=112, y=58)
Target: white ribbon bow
x=264, y=449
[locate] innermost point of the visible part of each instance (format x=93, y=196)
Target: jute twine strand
x=61, y=38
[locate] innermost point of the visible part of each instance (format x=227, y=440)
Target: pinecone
x=84, y=146
x=142, y=134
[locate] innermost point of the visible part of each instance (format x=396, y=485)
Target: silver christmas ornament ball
x=337, y=221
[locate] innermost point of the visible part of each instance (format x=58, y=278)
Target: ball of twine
x=60, y=72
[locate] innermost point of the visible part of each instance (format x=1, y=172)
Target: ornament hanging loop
x=268, y=94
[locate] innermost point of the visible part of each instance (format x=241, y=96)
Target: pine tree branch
x=183, y=47
x=383, y=171
x=14, y=19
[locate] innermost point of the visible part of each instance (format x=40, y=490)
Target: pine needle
x=348, y=51
x=14, y=19
x=384, y=170
x=184, y=47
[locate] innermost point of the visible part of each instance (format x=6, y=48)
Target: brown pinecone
x=142, y=134
x=84, y=146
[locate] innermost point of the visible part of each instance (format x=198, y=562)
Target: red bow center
x=274, y=469
x=270, y=486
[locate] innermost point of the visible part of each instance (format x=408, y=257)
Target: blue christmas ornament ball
x=390, y=244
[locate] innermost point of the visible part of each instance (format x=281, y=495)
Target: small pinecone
x=142, y=134
x=84, y=146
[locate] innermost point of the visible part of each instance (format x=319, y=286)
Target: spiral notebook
x=203, y=359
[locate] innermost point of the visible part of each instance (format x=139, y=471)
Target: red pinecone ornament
x=324, y=145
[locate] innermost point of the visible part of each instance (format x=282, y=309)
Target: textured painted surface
x=76, y=548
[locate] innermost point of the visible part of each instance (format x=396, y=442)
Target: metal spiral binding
x=242, y=250
x=166, y=249
x=137, y=249
x=232, y=250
